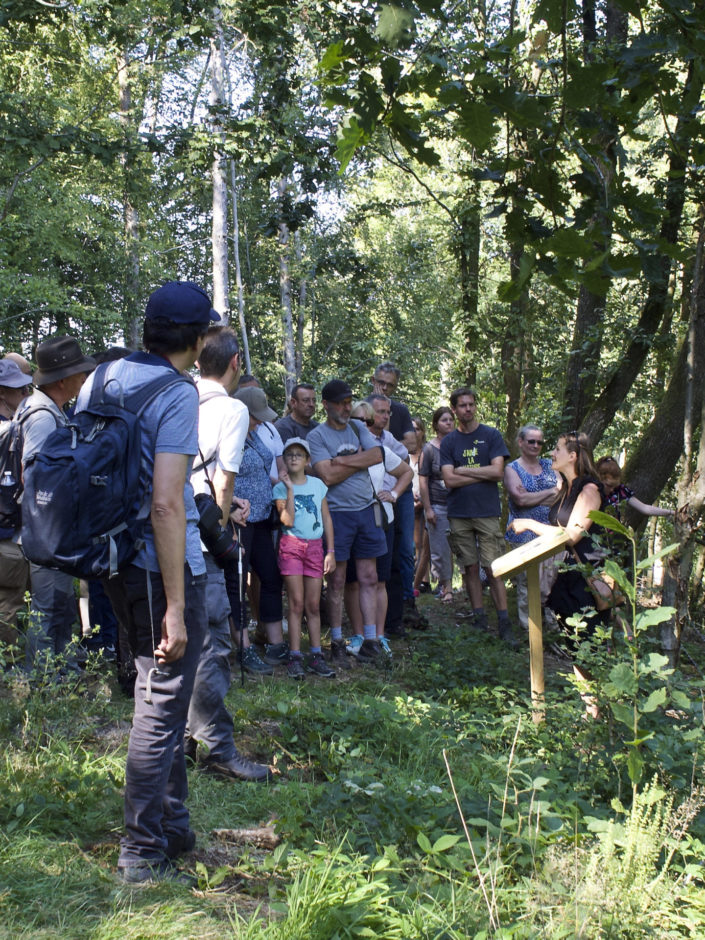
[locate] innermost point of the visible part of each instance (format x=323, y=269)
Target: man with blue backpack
x=160, y=595
x=53, y=611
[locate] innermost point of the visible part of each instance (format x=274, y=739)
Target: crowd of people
x=360, y=502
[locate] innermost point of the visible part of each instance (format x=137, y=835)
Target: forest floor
x=416, y=800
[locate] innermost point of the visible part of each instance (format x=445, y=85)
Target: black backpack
x=83, y=508
x=11, y=467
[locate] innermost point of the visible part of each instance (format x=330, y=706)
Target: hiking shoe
x=354, y=644
x=179, y=843
x=316, y=664
x=277, y=654
x=480, y=622
x=236, y=768
x=157, y=872
x=190, y=749
x=258, y=633
x=506, y=633
x=396, y=630
x=295, y=667
x=412, y=617
x=370, y=651
x=338, y=654
x=384, y=646
x=252, y=662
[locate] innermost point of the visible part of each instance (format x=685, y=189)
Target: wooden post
x=527, y=557
x=535, y=642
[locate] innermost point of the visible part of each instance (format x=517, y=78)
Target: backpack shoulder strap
x=136, y=401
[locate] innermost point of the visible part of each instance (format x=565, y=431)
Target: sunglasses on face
x=534, y=441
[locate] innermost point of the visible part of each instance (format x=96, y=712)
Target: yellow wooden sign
x=527, y=558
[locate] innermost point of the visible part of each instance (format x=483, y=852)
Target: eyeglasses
x=297, y=454
x=533, y=441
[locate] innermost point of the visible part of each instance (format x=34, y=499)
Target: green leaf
x=609, y=522
x=477, y=124
x=621, y=578
x=424, y=843
x=681, y=700
x=623, y=679
x=649, y=618
x=635, y=765
x=655, y=700
x=648, y=562
x=350, y=137
x=333, y=56
x=655, y=664
x=395, y=25
x=445, y=842
x=623, y=713
x=552, y=11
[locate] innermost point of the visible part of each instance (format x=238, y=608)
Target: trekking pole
x=241, y=589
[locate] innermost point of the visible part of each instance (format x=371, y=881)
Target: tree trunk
x=238, y=271
x=285, y=293
x=219, y=230
x=513, y=351
x=301, y=310
x=131, y=295
x=586, y=347
x=691, y=483
x=610, y=400
x=468, y=250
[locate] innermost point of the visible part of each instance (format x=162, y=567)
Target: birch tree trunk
x=285, y=293
x=130, y=216
x=219, y=231
x=238, y=270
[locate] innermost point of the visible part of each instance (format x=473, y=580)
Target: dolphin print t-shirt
x=308, y=497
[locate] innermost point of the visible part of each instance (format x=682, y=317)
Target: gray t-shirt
x=37, y=427
x=287, y=428
x=355, y=493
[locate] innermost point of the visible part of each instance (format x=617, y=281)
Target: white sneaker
x=386, y=648
x=354, y=644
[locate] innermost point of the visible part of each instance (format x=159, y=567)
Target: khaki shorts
x=476, y=540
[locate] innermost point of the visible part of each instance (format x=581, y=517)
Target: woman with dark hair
x=434, y=498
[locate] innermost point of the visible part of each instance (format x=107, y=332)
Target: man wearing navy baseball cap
x=161, y=597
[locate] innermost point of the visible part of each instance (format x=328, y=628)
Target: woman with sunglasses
x=532, y=486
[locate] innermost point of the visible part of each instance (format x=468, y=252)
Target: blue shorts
x=384, y=562
x=356, y=535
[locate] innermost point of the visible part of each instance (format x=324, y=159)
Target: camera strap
x=202, y=466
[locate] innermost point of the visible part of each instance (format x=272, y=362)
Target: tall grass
x=518, y=832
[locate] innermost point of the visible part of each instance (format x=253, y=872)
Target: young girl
x=303, y=511
x=616, y=492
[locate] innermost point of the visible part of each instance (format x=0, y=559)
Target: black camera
x=219, y=542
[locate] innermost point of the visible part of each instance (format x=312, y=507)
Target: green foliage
x=375, y=837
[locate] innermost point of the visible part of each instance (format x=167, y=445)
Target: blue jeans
x=400, y=586
x=209, y=721
x=404, y=541
x=155, y=773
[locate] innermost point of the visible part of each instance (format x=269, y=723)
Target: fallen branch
x=264, y=838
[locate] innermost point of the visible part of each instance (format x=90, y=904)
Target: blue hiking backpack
x=83, y=508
